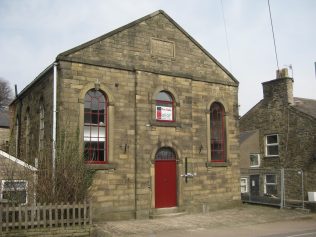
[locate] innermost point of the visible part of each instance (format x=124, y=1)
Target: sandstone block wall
x=130, y=66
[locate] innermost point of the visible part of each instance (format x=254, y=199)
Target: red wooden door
x=165, y=183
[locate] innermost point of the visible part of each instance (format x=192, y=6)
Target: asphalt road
x=296, y=228
x=241, y=221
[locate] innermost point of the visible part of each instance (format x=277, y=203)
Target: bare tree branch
x=5, y=93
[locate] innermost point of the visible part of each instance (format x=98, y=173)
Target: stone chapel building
x=157, y=117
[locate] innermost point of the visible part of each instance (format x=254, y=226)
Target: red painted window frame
x=158, y=102
x=105, y=158
x=220, y=129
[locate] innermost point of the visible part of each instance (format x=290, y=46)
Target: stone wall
x=52, y=232
x=29, y=102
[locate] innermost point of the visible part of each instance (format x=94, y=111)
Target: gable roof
x=307, y=106
x=96, y=40
x=4, y=155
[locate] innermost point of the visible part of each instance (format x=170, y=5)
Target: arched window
x=17, y=136
x=164, y=107
x=218, y=133
x=27, y=133
x=95, y=127
x=165, y=153
x=41, y=127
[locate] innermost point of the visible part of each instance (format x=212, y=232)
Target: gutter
x=135, y=144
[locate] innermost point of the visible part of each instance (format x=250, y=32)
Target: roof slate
x=307, y=106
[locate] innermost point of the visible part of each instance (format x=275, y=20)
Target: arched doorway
x=165, y=178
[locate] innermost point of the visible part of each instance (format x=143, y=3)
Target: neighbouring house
x=18, y=180
x=4, y=129
x=278, y=133
x=155, y=114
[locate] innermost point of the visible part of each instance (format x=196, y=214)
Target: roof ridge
x=302, y=98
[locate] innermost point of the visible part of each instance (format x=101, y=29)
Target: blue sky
x=34, y=32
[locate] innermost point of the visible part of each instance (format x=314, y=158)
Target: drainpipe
x=54, y=125
x=135, y=144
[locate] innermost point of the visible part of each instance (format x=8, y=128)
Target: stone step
x=166, y=212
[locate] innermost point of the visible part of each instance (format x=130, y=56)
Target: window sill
x=164, y=124
x=216, y=164
x=274, y=156
x=106, y=166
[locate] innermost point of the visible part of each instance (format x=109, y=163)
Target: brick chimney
x=279, y=90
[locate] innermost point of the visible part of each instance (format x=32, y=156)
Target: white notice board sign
x=164, y=113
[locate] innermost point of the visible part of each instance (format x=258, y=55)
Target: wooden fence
x=44, y=216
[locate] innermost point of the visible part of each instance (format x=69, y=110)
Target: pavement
x=244, y=215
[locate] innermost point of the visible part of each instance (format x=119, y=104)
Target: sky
x=236, y=32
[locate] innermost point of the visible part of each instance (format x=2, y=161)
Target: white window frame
x=16, y=189
x=271, y=144
x=244, y=185
x=258, y=157
x=265, y=182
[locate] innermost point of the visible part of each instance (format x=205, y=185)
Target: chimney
x=279, y=90
x=282, y=73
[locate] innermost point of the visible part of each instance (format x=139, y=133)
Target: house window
x=243, y=185
x=270, y=187
x=95, y=127
x=14, y=191
x=41, y=127
x=164, y=107
x=272, y=145
x=254, y=160
x=218, y=133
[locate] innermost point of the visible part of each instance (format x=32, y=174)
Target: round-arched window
x=95, y=127
x=164, y=107
x=218, y=133
x=165, y=153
